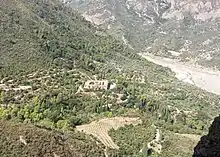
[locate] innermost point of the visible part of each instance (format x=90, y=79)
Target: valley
x=73, y=84
x=187, y=27
x=204, y=78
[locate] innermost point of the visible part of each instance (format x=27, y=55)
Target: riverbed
x=207, y=79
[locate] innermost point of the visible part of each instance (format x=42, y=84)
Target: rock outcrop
x=209, y=145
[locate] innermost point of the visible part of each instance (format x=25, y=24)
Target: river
x=201, y=77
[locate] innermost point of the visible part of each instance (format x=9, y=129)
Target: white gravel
x=201, y=77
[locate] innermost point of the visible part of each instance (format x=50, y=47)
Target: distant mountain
x=186, y=28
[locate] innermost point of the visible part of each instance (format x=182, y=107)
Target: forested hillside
x=49, y=53
x=39, y=35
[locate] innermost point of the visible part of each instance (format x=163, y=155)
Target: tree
x=2, y=97
x=47, y=123
x=63, y=124
x=75, y=120
x=109, y=114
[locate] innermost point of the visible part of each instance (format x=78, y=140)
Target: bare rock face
x=98, y=12
x=151, y=9
x=200, y=10
x=209, y=145
x=187, y=27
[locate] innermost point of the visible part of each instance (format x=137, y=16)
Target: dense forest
x=48, y=52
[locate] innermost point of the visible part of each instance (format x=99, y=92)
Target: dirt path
x=4, y=87
x=204, y=78
x=100, y=128
x=155, y=144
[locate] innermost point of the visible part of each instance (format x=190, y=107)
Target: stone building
x=97, y=84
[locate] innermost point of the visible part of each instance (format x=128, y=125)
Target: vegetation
x=48, y=52
x=132, y=139
x=26, y=140
x=159, y=33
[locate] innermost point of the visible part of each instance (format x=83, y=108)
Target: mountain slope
x=187, y=27
x=36, y=35
x=52, y=52
x=27, y=140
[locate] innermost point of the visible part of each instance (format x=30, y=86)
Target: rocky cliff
x=209, y=145
x=187, y=28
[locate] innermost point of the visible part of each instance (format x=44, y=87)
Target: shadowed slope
x=209, y=145
x=27, y=140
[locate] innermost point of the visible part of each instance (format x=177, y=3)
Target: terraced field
x=41, y=81
x=100, y=128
